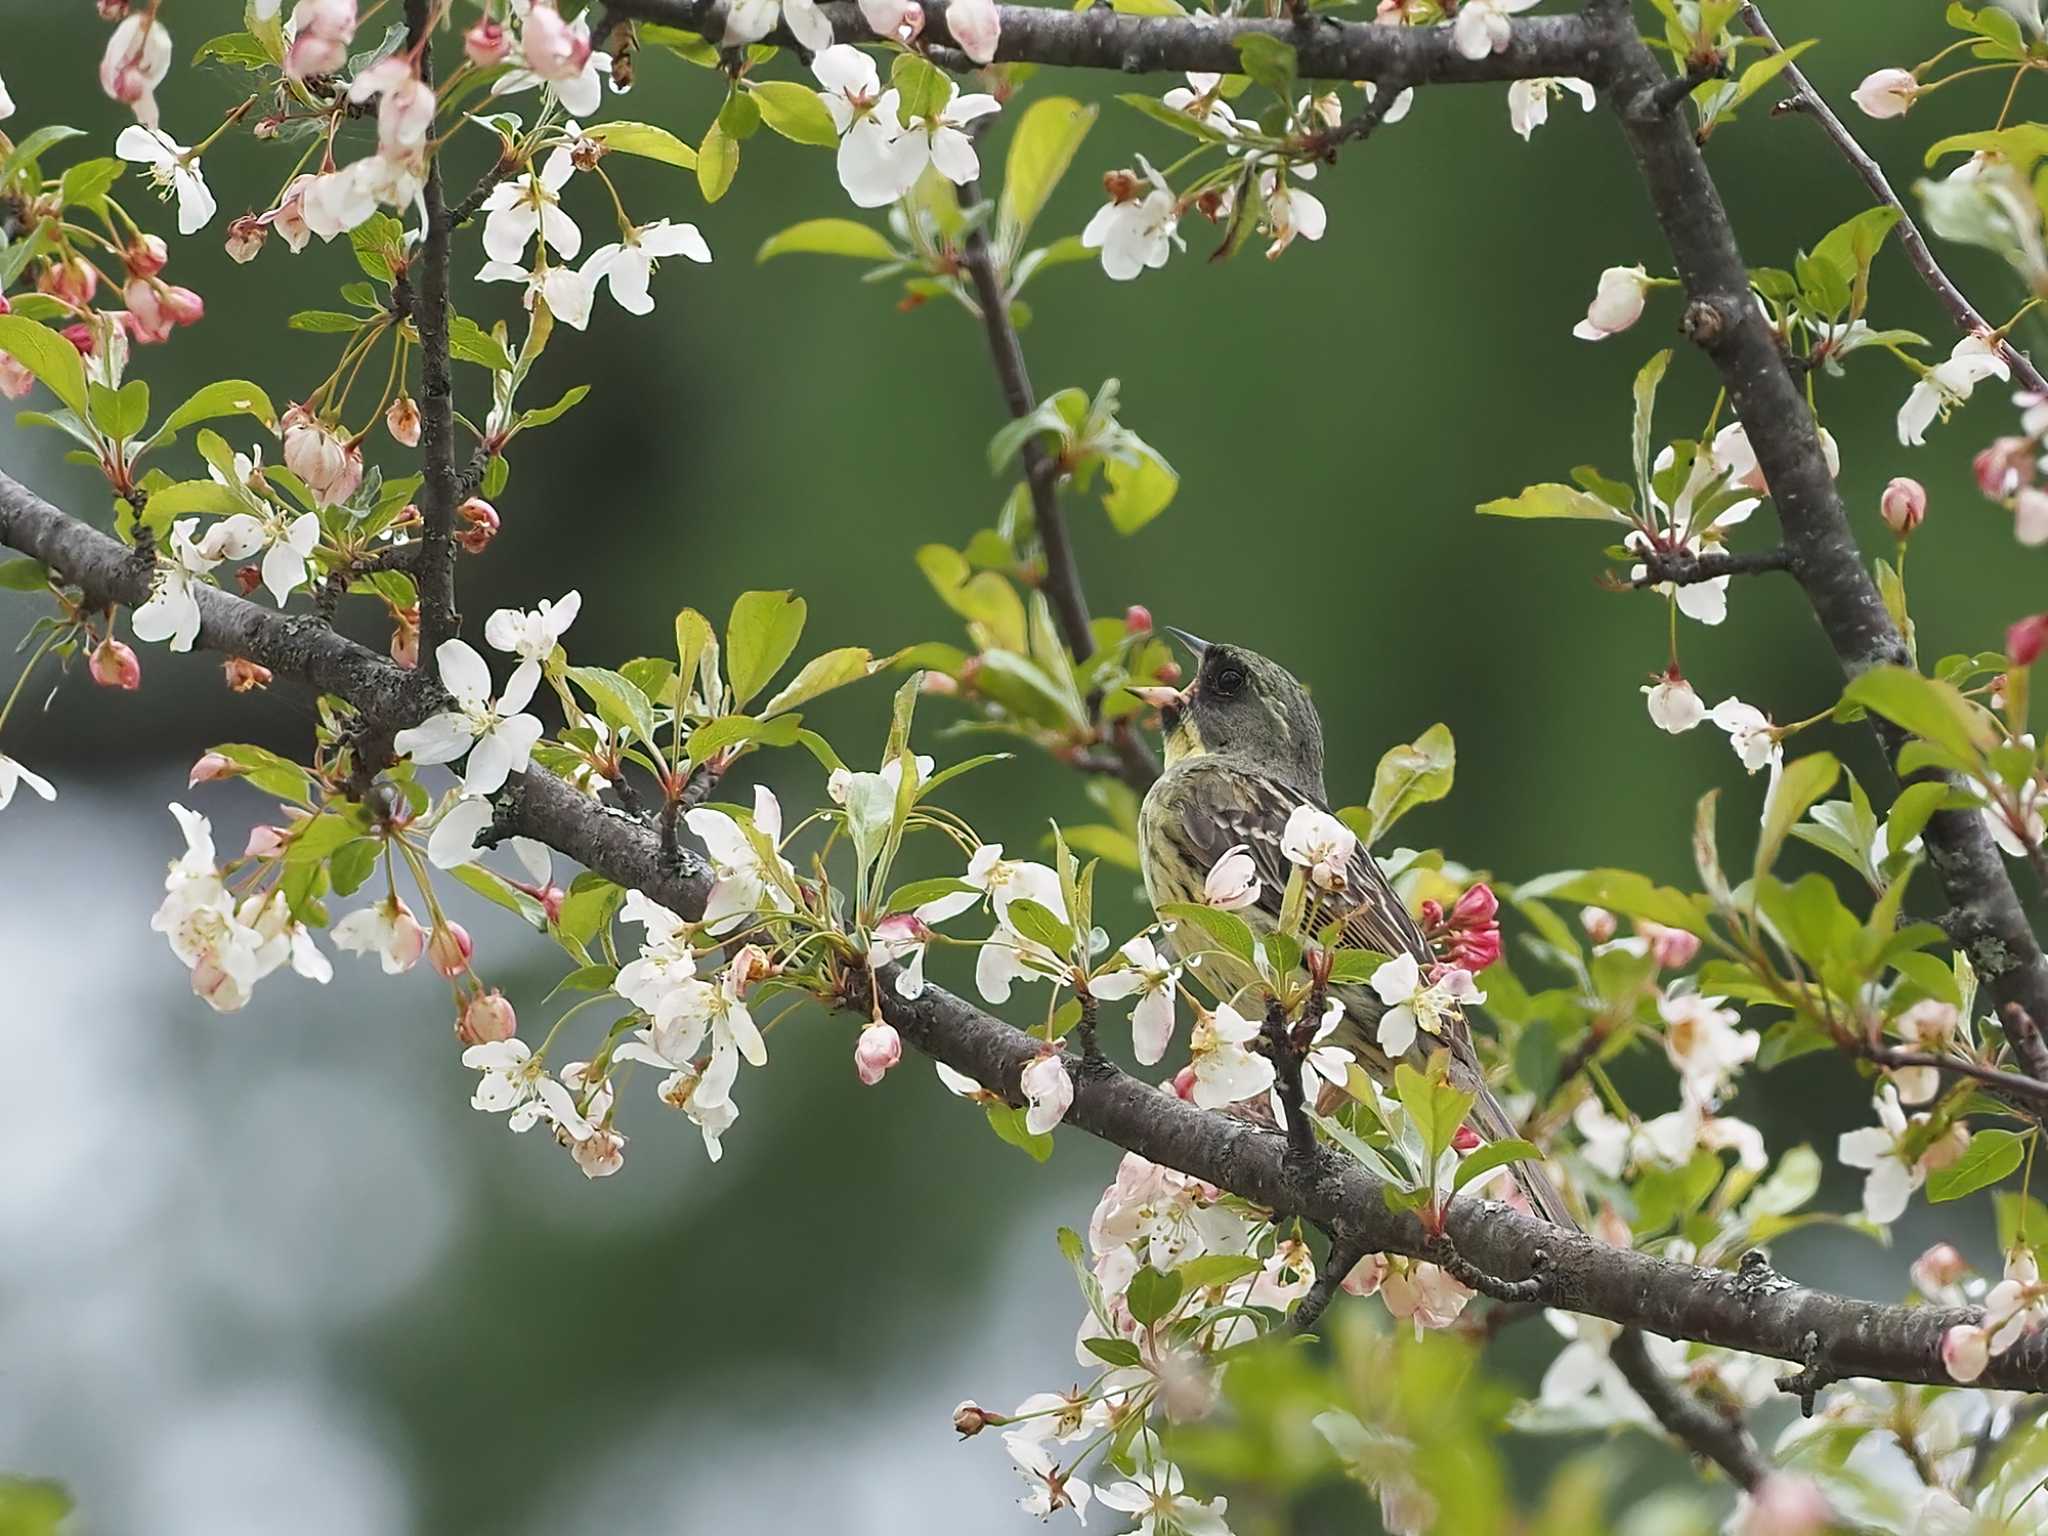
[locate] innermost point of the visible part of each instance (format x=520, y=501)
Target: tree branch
x=1100, y=38
x=1806, y=99
x=1988, y=919
x=434, y=569
x=1681, y=567
x=1837, y=1337
x=1721, y=1438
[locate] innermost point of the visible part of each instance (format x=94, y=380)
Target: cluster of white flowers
x=881, y=152
x=227, y=944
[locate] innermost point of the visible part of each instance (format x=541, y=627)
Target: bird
x=1243, y=751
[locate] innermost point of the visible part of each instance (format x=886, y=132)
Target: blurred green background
x=266, y=1271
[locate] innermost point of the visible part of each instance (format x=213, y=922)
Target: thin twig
x=1682, y=568
x=1720, y=1437
x=2011, y=1084
x=434, y=568
x=1805, y=98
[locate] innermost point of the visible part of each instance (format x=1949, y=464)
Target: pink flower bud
x=486, y=43
x=878, y=1049
x=555, y=49
x=1886, y=93
x=751, y=964
x=330, y=467
x=112, y=10
x=245, y=237
x=1670, y=947
x=1465, y=1139
x=147, y=255
x=1137, y=620
x=1965, y=1351
x=939, y=683
x=970, y=1419
x=244, y=675
x=137, y=58
x=1903, y=505
x=2004, y=467
x=1432, y=913
x=2025, y=640
x=211, y=766
x=5, y=307
x=83, y=337
x=1477, y=949
x=977, y=26
x=480, y=524
x=113, y=665
x=15, y=380
x=1184, y=1084
x=323, y=31
x=486, y=1017
x=264, y=842
x=183, y=305
x=1477, y=907
x=1598, y=922
x=893, y=18
x=405, y=637
x=402, y=421
x=1938, y=1268
x=449, y=948
x=72, y=280
x=1785, y=1504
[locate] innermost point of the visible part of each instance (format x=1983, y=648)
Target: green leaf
x=120, y=413
x=86, y=184
x=694, y=640
x=917, y=892
x=729, y=731
x=228, y=397
x=921, y=88
x=1991, y=1155
x=1152, y=1294
x=493, y=888
x=352, y=864
x=1226, y=930
x=1434, y=1106
x=1485, y=1159
x=1216, y=1269
x=1926, y=707
x=1411, y=775
x=1852, y=246
x=326, y=322
x=469, y=342
x=188, y=497
x=244, y=50
x=1048, y=136
x=1645, y=392
x=620, y=704
x=821, y=674
x=29, y=150
x=570, y=397
x=648, y=142
x=1269, y=61
x=796, y=112
x=1803, y=782
x=1553, y=500
x=1009, y=1124
x=379, y=244
x=272, y=774
x=1118, y=1352
x=1911, y=812
x=718, y=161
x=1623, y=891
x=1137, y=490
x=23, y=575
x=828, y=237
x=48, y=356
x=1041, y=925
x=759, y=636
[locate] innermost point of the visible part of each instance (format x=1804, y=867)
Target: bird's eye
x=1229, y=680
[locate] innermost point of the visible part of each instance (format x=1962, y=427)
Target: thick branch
x=1988, y=920
x=1806, y=99
x=1100, y=38
x=440, y=492
x=1757, y=1312
x=1682, y=567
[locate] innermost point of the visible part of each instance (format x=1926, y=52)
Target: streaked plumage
x=1244, y=749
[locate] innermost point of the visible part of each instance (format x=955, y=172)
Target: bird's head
x=1241, y=705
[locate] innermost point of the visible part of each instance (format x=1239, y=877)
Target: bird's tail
x=1492, y=1122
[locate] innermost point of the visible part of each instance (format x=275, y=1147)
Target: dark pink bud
x=1465, y=1139
x=210, y=767
x=480, y=524
x=1137, y=620
x=1477, y=907
x=486, y=43
x=2025, y=640
x=83, y=337
x=1903, y=505
x=1476, y=948
x=183, y=305
x=1432, y=914
x=113, y=665
x=1671, y=947
x=72, y=280
x=551, y=899
x=146, y=255
x=1184, y=1084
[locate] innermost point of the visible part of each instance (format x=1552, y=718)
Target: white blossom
x=1048, y=1092
x=1529, y=100
x=13, y=773
x=1146, y=974
x=1948, y=384
x=748, y=880
x=498, y=737
x=172, y=610
x=629, y=265
x=173, y=170
x=1136, y=233
x=1225, y=1071
x=1413, y=1003
x=1320, y=844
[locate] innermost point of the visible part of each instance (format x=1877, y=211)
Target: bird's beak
x=1194, y=643
x=1162, y=698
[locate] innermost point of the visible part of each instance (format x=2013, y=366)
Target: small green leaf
x=188, y=497
x=1216, y=1269
x=1118, y=1352
x=1152, y=1294
x=570, y=397
x=1137, y=490
x=1411, y=775
x=326, y=322
x=647, y=141
x=1926, y=707
x=23, y=575
x=1553, y=500
x=922, y=90
x=796, y=112
x=1041, y=925
x=1009, y=1124
x=828, y=237
x=619, y=703
x=48, y=356
x=1269, y=61
x=1225, y=929
x=1048, y=136
x=1803, y=782
x=1493, y=1155
x=86, y=184
x=822, y=674
x=759, y=636
x=718, y=161
x=1991, y=1155
x=228, y=397
x=469, y=342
